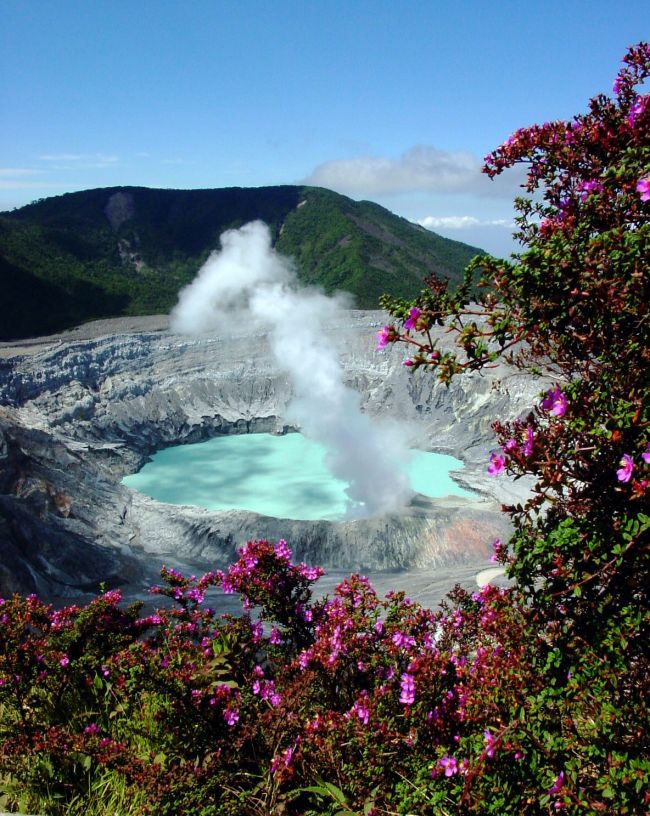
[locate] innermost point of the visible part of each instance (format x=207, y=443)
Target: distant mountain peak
x=129, y=250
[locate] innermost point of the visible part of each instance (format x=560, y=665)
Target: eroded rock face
x=81, y=410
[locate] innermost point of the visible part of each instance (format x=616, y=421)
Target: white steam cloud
x=247, y=281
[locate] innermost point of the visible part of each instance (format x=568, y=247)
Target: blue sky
x=396, y=102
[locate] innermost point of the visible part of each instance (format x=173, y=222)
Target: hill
x=129, y=250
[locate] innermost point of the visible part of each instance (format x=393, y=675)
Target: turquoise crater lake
x=280, y=476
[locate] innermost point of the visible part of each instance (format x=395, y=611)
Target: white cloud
x=459, y=222
x=13, y=172
x=102, y=158
x=61, y=157
x=22, y=178
x=18, y=184
x=84, y=161
x=422, y=168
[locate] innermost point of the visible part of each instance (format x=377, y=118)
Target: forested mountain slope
x=128, y=250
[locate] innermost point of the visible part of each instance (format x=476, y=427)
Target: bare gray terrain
x=81, y=409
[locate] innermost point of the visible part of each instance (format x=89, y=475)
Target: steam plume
x=247, y=281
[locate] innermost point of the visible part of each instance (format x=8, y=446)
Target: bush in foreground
x=345, y=705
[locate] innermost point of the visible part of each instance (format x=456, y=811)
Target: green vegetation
x=129, y=250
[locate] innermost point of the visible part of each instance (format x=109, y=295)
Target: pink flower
x=497, y=463
x=231, y=715
x=282, y=550
x=310, y=573
x=636, y=110
x=284, y=758
x=498, y=551
x=407, y=683
x=411, y=321
x=449, y=765
x=643, y=188
x=529, y=441
x=558, y=784
x=360, y=708
x=407, y=363
x=624, y=473
x=489, y=743
x=405, y=641
x=555, y=402
x=589, y=188
x=646, y=455
x=65, y=661
x=383, y=337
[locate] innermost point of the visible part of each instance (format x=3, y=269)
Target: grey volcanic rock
x=82, y=409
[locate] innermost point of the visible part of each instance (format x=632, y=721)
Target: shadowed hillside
x=128, y=250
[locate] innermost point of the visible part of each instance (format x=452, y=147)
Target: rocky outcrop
x=81, y=410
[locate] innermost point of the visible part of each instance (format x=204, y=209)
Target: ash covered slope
x=82, y=409
x=129, y=250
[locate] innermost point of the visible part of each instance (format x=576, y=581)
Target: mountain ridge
x=128, y=250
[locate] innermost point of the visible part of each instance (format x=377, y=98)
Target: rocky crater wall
x=80, y=410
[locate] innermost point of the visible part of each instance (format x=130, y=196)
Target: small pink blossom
x=282, y=550
x=407, y=684
x=529, y=441
x=360, y=708
x=624, y=473
x=284, y=758
x=414, y=315
x=231, y=715
x=404, y=641
x=555, y=402
x=643, y=188
x=384, y=337
x=65, y=661
x=497, y=463
x=408, y=363
x=449, y=765
x=588, y=188
x=310, y=573
x=497, y=547
x=558, y=784
x=646, y=455
x=489, y=743
x=636, y=110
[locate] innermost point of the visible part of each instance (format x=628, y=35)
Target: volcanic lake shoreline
x=81, y=409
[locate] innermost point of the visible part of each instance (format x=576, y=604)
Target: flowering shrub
x=324, y=706
x=531, y=700
x=573, y=305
